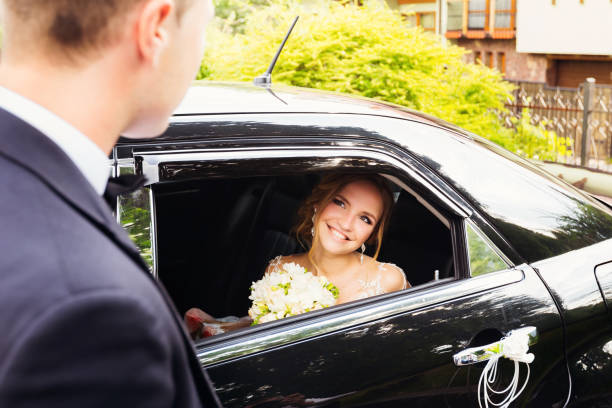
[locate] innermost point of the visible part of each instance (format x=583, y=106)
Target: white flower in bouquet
x=289, y=292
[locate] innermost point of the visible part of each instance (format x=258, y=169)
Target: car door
x=391, y=350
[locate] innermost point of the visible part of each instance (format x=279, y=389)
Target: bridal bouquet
x=288, y=292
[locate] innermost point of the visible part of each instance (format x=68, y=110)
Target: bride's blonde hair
x=326, y=190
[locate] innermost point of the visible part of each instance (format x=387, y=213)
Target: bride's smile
x=339, y=235
x=348, y=220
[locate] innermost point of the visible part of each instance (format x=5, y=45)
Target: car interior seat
x=416, y=241
x=269, y=236
x=194, y=238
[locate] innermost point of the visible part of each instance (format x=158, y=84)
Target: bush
x=364, y=50
x=232, y=14
x=535, y=141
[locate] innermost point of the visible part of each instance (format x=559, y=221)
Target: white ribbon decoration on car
x=515, y=347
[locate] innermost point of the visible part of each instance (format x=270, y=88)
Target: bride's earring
x=362, y=251
x=313, y=221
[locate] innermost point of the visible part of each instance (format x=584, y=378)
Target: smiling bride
x=343, y=214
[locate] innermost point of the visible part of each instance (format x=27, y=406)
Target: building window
x=489, y=59
x=428, y=21
x=501, y=62
x=477, y=14
x=480, y=11
x=425, y=19
x=504, y=13
x=455, y=16
x=477, y=57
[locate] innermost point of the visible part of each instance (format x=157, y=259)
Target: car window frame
x=218, y=349
x=154, y=165
x=126, y=167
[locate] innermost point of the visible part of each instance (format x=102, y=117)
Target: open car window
x=216, y=236
x=216, y=224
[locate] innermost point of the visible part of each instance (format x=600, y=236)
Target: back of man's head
x=137, y=57
x=70, y=28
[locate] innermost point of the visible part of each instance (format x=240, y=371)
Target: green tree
x=365, y=50
x=368, y=50
x=232, y=14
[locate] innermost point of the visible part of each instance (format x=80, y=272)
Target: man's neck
x=82, y=98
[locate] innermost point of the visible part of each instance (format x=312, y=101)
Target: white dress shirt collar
x=85, y=154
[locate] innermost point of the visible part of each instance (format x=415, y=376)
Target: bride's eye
x=365, y=219
x=338, y=202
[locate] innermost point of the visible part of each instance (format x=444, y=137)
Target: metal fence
x=583, y=115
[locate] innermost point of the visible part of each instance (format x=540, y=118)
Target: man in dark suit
x=82, y=323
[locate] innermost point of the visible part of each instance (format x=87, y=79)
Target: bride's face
x=349, y=218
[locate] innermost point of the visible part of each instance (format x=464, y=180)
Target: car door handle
x=475, y=355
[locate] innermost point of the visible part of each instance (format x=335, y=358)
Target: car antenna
x=265, y=79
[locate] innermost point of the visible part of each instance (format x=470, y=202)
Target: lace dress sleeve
x=275, y=265
x=377, y=285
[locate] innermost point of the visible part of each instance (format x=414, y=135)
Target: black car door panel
x=404, y=359
x=573, y=279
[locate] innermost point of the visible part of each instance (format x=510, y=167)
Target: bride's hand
x=195, y=319
x=200, y=324
x=211, y=329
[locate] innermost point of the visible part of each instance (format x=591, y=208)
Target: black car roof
x=207, y=97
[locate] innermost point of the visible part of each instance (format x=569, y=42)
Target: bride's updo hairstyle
x=329, y=186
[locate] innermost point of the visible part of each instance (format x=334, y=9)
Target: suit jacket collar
x=31, y=149
x=83, y=152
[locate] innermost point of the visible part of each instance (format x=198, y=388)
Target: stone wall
x=518, y=66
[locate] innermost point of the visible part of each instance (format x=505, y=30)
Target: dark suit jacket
x=82, y=323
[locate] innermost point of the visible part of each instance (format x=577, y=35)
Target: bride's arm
x=394, y=278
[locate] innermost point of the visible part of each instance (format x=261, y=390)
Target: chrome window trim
x=486, y=239
x=148, y=162
x=402, y=302
x=112, y=164
x=129, y=163
x=117, y=165
x=154, y=270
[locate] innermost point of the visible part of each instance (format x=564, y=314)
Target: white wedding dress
x=367, y=287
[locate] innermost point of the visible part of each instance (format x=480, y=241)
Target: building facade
x=559, y=42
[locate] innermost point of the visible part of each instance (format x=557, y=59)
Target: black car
x=489, y=242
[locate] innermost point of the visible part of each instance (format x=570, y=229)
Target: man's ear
x=152, y=29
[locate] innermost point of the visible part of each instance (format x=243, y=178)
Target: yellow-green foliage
x=365, y=50
x=536, y=142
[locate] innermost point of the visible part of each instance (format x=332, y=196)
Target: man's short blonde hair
x=75, y=26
